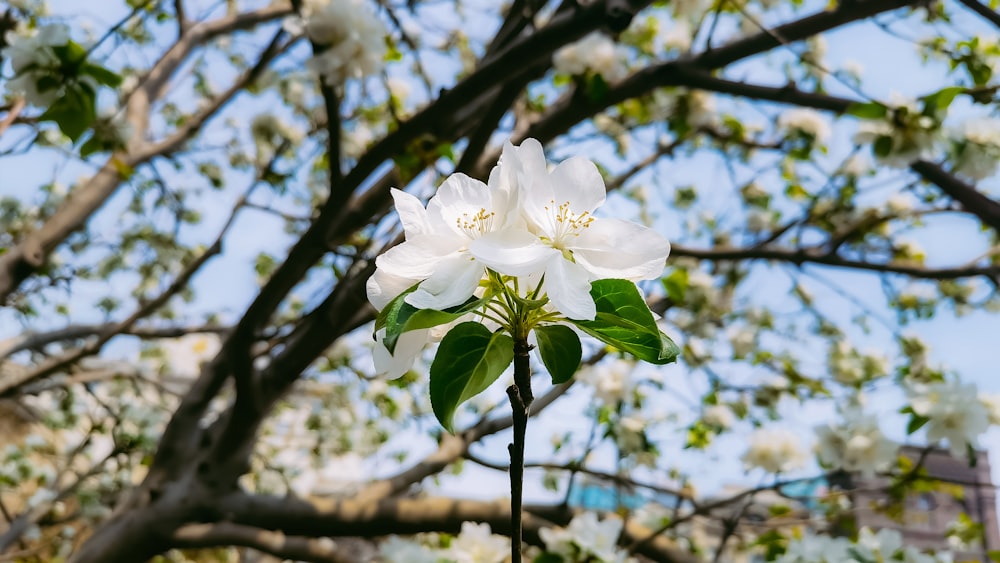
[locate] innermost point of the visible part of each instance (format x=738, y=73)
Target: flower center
x=565, y=223
x=476, y=224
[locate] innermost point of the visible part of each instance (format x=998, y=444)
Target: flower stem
x=520, y=402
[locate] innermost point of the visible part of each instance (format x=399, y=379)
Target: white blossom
x=399, y=550
x=595, y=52
x=563, y=239
x=611, y=380
x=476, y=543
x=992, y=403
x=910, y=135
x=806, y=121
x=719, y=416
x=979, y=148
x=32, y=59
x=954, y=412
x=855, y=444
x=352, y=37
x=775, y=450
x=185, y=355
x=586, y=538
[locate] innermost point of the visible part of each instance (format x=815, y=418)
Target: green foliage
x=469, y=359
x=625, y=322
x=560, y=349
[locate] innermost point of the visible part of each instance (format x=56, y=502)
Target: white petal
x=459, y=195
x=577, y=181
x=408, y=347
x=612, y=248
x=411, y=212
x=568, y=287
x=512, y=252
x=416, y=258
x=454, y=282
x=383, y=287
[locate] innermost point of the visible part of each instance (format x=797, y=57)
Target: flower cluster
x=904, y=135
x=595, y=53
x=977, y=148
x=35, y=63
x=774, y=450
x=803, y=121
x=884, y=545
x=856, y=444
x=586, y=539
x=351, y=36
x=476, y=543
x=953, y=412
x=528, y=223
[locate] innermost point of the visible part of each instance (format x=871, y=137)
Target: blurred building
x=926, y=516
x=951, y=493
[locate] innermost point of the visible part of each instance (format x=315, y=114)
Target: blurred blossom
x=775, y=450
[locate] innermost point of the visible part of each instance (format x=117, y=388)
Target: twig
x=520, y=402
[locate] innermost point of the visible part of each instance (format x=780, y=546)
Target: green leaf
x=882, y=146
x=469, y=359
x=940, y=100
x=560, y=349
x=994, y=555
x=548, y=557
x=597, y=88
x=74, y=112
x=625, y=322
x=101, y=75
x=869, y=110
x=399, y=316
x=916, y=423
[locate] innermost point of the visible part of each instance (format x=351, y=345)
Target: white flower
x=742, y=340
x=353, y=39
x=185, y=355
x=32, y=59
x=954, y=412
x=596, y=53
x=774, y=450
x=678, y=37
x=585, y=536
x=438, y=239
x=399, y=550
x=979, y=148
x=906, y=134
x=719, y=416
x=899, y=204
x=992, y=403
x=817, y=549
x=806, y=121
x=856, y=444
x=356, y=141
x=611, y=380
x=701, y=109
x=477, y=544
x=564, y=240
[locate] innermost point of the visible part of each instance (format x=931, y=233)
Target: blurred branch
x=814, y=255
x=983, y=10
x=278, y=544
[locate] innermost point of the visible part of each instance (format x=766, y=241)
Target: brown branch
x=322, y=517
x=278, y=544
x=983, y=10
x=814, y=255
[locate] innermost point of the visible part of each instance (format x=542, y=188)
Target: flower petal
x=612, y=248
x=454, y=281
x=568, y=287
x=577, y=181
x=408, y=347
x=512, y=252
x=416, y=258
x=383, y=287
x=411, y=212
x=458, y=196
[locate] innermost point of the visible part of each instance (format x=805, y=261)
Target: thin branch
x=297, y=548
